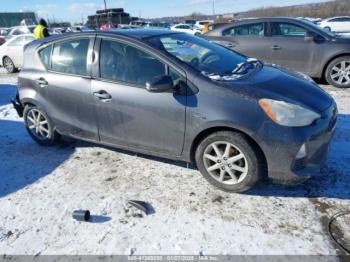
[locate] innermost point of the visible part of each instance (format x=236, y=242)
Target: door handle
x=42, y=82
x=103, y=95
x=276, y=47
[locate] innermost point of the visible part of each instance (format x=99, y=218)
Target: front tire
x=229, y=161
x=337, y=72
x=9, y=65
x=39, y=126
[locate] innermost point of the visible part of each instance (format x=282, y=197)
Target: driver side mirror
x=160, y=84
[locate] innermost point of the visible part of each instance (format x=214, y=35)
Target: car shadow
x=333, y=180
x=22, y=161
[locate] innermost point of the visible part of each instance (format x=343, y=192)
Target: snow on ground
x=40, y=187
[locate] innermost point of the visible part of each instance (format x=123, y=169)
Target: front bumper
x=18, y=105
x=281, y=146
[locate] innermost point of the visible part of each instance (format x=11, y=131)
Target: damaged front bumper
x=18, y=105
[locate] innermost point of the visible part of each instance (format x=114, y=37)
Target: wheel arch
x=206, y=132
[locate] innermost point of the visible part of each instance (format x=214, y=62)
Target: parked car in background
x=201, y=24
x=237, y=119
x=3, y=33
x=338, y=24
x=292, y=43
x=11, y=52
x=20, y=30
x=190, y=22
x=186, y=29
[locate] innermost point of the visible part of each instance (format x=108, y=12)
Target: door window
x=70, y=57
x=125, y=63
x=287, y=30
x=245, y=30
x=45, y=56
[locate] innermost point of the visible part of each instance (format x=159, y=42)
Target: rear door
x=247, y=39
x=129, y=115
x=67, y=83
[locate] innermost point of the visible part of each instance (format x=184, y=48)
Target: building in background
x=17, y=19
x=113, y=17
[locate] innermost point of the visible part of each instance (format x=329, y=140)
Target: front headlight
x=287, y=114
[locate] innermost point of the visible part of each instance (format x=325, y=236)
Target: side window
x=245, y=30
x=177, y=78
x=287, y=30
x=45, y=56
x=70, y=57
x=125, y=63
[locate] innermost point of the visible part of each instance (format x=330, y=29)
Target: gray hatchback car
x=180, y=97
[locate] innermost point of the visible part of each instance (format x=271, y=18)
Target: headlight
x=287, y=114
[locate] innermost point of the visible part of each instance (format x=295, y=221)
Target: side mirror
x=160, y=84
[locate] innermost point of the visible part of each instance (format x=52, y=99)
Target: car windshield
x=199, y=53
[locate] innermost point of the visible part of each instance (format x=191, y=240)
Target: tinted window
x=245, y=30
x=70, y=57
x=45, y=56
x=288, y=30
x=121, y=62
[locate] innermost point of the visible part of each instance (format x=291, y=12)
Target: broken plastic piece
x=143, y=206
x=81, y=215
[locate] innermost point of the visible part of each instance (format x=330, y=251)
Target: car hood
x=285, y=85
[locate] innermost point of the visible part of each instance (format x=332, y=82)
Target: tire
x=337, y=72
x=328, y=28
x=239, y=145
x=48, y=136
x=9, y=65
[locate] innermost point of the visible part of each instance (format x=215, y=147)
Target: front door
x=126, y=112
x=289, y=48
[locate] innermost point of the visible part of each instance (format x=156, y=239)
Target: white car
x=337, y=24
x=201, y=24
x=11, y=52
x=186, y=29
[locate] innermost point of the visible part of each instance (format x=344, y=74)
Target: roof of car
x=138, y=33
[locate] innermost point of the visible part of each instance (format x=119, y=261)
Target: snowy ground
x=40, y=187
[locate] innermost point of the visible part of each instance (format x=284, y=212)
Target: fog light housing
x=302, y=152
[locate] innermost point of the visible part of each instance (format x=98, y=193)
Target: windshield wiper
x=243, y=67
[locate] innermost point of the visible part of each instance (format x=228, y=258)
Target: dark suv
x=180, y=97
x=293, y=43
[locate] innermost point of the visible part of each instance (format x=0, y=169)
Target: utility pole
x=105, y=4
x=213, y=7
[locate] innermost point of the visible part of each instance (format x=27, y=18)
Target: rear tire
x=337, y=72
x=229, y=161
x=39, y=126
x=9, y=65
x=328, y=28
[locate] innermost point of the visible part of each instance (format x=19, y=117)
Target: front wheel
x=9, y=65
x=39, y=126
x=229, y=161
x=338, y=72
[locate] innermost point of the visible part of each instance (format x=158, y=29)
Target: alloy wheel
x=225, y=162
x=38, y=124
x=340, y=73
x=8, y=64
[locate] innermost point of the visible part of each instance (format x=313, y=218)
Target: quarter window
x=70, y=57
x=287, y=30
x=125, y=63
x=45, y=56
x=245, y=30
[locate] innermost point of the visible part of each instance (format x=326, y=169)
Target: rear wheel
x=328, y=28
x=338, y=72
x=228, y=161
x=39, y=126
x=9, y=65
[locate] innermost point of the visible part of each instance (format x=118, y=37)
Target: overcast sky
x=74, y=10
